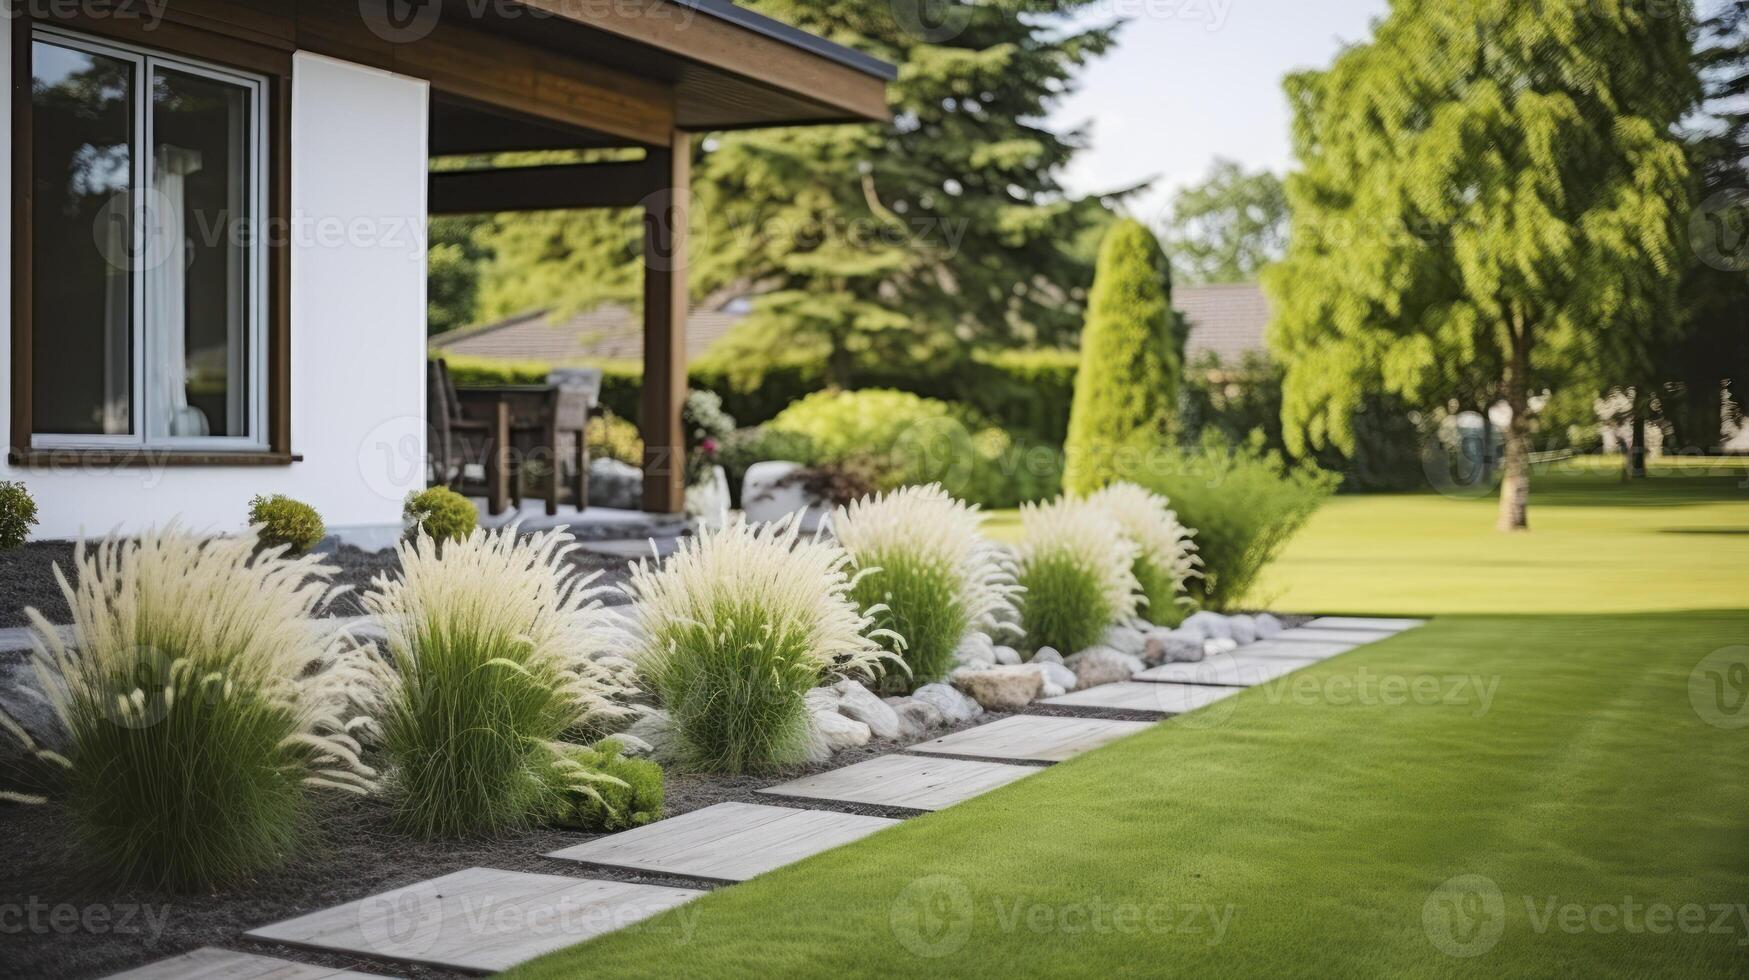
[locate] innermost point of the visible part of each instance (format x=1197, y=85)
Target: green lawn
x=1530, y=794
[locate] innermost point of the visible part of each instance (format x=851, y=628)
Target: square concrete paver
x=209, y=963
x=1306, y=634
x=480, y=919
x=906, y=781
x=1385, y=624
x=1296, y=649
x=1227, y=670
x=728, y=841
x=1167, y=699
x=1033, y=738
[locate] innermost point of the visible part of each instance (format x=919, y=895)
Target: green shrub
x=17, y=515
x=928, y=575
x=441, y=514
x=497, y=648
x=202, y=705
x=621, y=793
x=745, y=447
x=281, y=520
x=1076, y=573
x=1128, y=383
x=734, y=628
x=611, y=437
x=1245, y=503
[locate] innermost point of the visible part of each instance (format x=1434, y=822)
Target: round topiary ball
x=280, y=520
x=441, y=513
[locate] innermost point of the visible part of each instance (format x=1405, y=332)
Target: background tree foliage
x=1484, y=184
x=1131, y=360
x=1229, y=226
x=870, y=242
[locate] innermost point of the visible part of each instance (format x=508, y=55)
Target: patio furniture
x=466, y=452
x=544, y=426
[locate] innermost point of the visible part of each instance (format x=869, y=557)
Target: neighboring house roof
x=609, y=332
x=1229, y=319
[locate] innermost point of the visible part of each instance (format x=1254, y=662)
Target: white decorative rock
x=916, y=718
x=1174, y=646
x=1057, y=675
x=708, y=500
x=822, y=699
x=955, y=707
x=1267, y=625
x=1001, y=688
x=764, y=500
x=839, y=732
x=1244, y=629
x=859, y=703
x=1125, y=639
x=1212, y=626
x=1047, y=655
x=1007, y=656
x=976, y=650
x=615, y=485
x=1103, y=665
x=654, y=729
x=1219, y=645
x=630, y=746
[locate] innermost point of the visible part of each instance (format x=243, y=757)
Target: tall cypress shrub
x=1128, y=382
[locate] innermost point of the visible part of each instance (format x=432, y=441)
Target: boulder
x=859, y=703
x=1174, y=646
x=655, y=729
x=1219, y=645
x=822, y=699
x=916, y=718
x=1103, y=665
x=1001, y=688
x=630, y=746
x=1047, y=655
x=768, y=493
x=1212, y=626
x=1244, y=629
x=837, y=731
x=955, y=707
x=615, y=484
x=1007, y=656
x=976, y=650
x=1125, y=639
x=1267, y=625
x=1057, y=676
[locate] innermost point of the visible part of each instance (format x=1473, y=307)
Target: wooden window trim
x=271, y=62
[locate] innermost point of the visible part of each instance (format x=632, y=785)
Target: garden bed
x=27, y=578
x=357, y=853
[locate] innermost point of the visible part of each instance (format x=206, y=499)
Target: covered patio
x=637, y=78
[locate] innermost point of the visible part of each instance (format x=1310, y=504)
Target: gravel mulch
x=73, y=927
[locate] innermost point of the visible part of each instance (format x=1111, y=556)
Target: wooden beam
x=22, y=202
x=665, y=306
x=555, y=188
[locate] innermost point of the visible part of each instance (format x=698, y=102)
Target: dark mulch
x=27, y=578
x=71, y=926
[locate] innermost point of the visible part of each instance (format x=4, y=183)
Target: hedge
x=1025, y=392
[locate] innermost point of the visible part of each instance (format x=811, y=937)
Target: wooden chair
x=557, y=435
x=454, y=441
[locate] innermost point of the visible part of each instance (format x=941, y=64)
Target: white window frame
x=146, y=63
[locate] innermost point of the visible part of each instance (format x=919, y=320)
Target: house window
x=148, y=273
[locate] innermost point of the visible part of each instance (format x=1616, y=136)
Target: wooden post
x=665, y=306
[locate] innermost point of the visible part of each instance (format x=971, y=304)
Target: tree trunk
x=1636, y=461
x=1487, y=446
x=1515, y=485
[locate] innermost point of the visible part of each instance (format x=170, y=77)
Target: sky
x=1192, y=80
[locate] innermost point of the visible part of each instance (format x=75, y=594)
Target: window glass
x=82, y=240
x=197, y=244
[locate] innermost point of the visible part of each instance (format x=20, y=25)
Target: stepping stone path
x=1364, y=623
x=1227, y=670
x=484, y=920
x=727, y=842
x=1033, y=738
x=906, y=781
x=478, y=920
x=208, y=963
x=1167, y=699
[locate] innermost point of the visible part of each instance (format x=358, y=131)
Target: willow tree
x=1484, y=184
